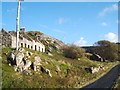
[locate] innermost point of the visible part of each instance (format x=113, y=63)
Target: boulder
x=102, y=68
x=19, y=59
x=11, y=59
x=37, y=60
x=15, y=68
x=36, y=63
x=49, y=54
x=30, y=53
x=20, y=68
x=35, y=68
x=46, y=62
x=21, y=49
x=43, y=69
x=25, y=58
x=95, y=69
x=27, y=53
x=88, y=69
x=47, y=71
x=50, y=49
x=28, y=64
x=92, y=69
x=27, y=72
x=58, y=69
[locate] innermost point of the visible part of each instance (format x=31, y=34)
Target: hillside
x=48, y=41
x=65, y=72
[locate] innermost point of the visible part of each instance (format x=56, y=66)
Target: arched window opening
x=39, y=48
x=35, y=47
x=25, y=45
x=28, y=46
x=21, y=44
x=31, y=47
x=42, y=50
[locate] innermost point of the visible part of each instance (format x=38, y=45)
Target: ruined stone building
x=9, y=40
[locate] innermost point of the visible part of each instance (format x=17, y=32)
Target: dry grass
x=72, y=74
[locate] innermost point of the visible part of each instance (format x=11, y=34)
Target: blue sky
x=82, y=23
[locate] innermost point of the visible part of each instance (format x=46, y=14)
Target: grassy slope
x=117, y=83
x=77, y=76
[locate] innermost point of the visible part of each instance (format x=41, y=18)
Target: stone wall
x=38, y=46
x=0, y=38
x=6, y=38
x=10, y=41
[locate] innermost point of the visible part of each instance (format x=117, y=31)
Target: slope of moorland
x=72, y=73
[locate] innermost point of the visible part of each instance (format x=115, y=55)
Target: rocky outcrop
x=21, y=49
x=94, y=69
x=27, y=65
x=11, y=59
x=15, y=68
x=49, y=54
x=46, y=40
x=58, y=69
x=27, y=72
x=47, y=71
x=97, y=57
x=37, y=63
x=19, y=59
x=20, y=68
x=21, y=63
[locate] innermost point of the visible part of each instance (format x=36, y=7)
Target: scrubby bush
x=107, y=50
x=73, y=51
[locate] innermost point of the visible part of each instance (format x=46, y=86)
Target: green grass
x=76, y=77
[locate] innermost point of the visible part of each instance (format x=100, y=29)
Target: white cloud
x=62, y=20
x=111, y=37
x=106, y=10
x=104, y=24
x=80, y=42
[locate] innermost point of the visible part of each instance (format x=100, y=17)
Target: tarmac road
x=107, y=80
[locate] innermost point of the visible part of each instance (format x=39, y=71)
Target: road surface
x=107, y=80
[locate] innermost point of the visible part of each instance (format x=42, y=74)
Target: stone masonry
x=9, y=40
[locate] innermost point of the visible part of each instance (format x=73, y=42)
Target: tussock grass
x=72, y=73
